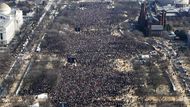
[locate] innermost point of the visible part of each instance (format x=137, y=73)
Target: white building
x=174, y=2
x=10, y=22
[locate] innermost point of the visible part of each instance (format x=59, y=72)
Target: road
x=171, y=72
x=26, y=54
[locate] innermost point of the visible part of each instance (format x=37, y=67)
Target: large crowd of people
x=93, y=77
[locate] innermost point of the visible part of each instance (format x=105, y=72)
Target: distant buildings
x=156, y=24
x=172, y=11
x=178, y=3
x=155, y=13
x=149, y=23
x=10, y=22
x=142, y=20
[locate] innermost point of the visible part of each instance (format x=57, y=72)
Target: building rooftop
x=5, y=9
